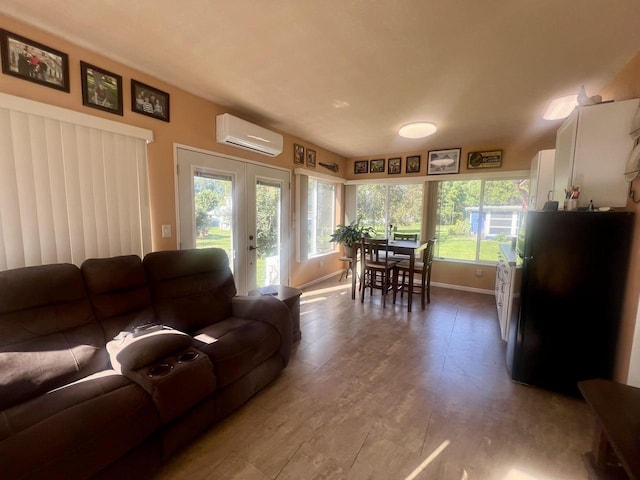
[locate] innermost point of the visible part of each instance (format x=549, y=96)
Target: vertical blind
x=69, y=192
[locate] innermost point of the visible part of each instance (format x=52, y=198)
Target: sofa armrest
x=130, y=351
x=269, y=310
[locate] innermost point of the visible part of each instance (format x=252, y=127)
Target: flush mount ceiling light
x=561, y=107
x=417, y=130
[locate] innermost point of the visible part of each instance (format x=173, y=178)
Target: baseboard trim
x=463, y=288
x=435, y=284
x=318, y=280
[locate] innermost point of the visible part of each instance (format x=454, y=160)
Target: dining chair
x=411, y=237
x=377, y=269
x=422, y=268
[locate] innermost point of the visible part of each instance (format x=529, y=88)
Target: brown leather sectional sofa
x=77, y=403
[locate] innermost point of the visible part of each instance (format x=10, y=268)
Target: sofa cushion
x=237, y=346
x=190, y=288
x=76, y=430
x=118, y=291
x=132, y=351
x=48, y=334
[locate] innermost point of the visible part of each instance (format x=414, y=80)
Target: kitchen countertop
x=509, y=254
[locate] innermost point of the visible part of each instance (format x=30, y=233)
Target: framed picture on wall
x=377, y=166
x=311, y=158
x=361, y=166
x=442, y=162
x=395, y=166
x=413, y=164
x=149, y=101
x=34, y=62
x=298, y=154
x=101, y=89
x=491, y=159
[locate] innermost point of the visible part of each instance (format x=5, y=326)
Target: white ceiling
x=346, y=74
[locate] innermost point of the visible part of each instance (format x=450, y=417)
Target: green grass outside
x=453, y=247
x=457, y=248
x=222, y=239
x=408, y=229
x=464, y=248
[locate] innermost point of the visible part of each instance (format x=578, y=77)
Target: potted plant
x=350, y=234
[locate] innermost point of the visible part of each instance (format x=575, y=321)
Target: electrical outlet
x=322, y=263
x=166, y=231
x=478, y=272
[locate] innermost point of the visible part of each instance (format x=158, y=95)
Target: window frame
x=332, y=185
x=302, y=177
x=429, y=205
x=504, y=176
x=387, y=202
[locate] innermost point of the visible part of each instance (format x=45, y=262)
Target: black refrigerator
x=565, y=321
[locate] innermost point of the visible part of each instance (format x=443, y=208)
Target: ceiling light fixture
x=417, y=130
x=561, y=107
x=340, y=104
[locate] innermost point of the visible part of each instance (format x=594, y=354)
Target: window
x=475, y=216
x=321, y=214
x=384, y=205
x=213, y=202
x=72, y=186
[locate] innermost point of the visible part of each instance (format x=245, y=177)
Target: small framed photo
x=377, y=166
x=311, y=158
x=413, y=164
x=361, y=166
x=32, y=61
x=149, y=101
x=490, y=159
x=394, y=166
x=298, y=154
x=101, y=89
x=442, y=162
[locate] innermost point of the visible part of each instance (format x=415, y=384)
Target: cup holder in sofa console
x=177, y=382
x=187, y=357
x=159, y=370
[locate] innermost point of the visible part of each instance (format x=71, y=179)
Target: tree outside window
x=476, y=216
x=382, y=205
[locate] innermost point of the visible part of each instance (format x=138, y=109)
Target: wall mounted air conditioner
x=234, y=131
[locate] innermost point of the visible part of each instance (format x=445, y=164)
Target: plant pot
x=348, y=251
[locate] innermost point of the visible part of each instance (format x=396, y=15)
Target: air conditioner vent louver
x=239, y=133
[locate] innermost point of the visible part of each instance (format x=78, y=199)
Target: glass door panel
x=268, y=234
x=239, y=207
x=213, y=201
x=268, y=227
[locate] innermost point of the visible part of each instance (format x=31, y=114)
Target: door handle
x=252, y=248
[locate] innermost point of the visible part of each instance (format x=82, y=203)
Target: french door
x=238, y=206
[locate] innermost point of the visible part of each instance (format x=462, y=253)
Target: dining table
x=409, y=248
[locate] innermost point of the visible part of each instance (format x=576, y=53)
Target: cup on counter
x=571, y=204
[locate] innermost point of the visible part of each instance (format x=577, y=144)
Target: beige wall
x=192, y=123
x=626, y=85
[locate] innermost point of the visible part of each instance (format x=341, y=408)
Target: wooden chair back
x=375, y=250
x=411, y=237
x=427, y=256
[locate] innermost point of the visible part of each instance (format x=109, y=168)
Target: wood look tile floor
x=375, y=393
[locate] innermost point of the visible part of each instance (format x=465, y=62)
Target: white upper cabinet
x=541, y=179
x=592, y=147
